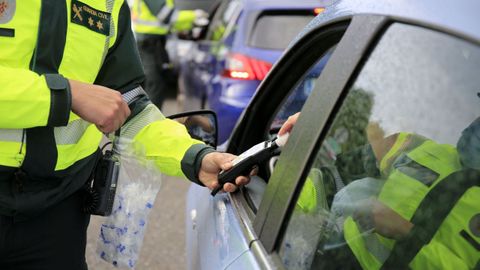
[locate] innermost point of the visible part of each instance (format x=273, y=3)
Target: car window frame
x=254, y=231
x=322, y=103
x=262, y=230
x=331, y=35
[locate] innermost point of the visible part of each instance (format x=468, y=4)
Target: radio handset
x=103, y=186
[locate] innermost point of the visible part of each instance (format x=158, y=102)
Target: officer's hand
x=212, y=164
x=99, y=105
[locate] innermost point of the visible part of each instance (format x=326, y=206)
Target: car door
x=391, y=116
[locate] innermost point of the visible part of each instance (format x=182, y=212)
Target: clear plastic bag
x=353, y=196
x=121, y=233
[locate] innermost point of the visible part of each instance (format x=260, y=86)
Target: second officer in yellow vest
x=153, y=20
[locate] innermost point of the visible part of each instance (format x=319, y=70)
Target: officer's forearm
x=99, y=105
x=31, y=100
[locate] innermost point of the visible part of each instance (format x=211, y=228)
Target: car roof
x=281, y=4
x=460, y=16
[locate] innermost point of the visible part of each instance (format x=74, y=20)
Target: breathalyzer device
x=244, y=163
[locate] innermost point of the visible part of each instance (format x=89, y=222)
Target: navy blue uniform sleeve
x=155, y=5
x=122, y=69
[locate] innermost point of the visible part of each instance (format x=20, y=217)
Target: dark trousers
x=160, y=78
x=54, y=240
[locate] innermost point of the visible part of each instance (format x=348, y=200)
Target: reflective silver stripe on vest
x=131, y=95
x=165, y=13
x=72, y=133
x=148, y=115
x=11, y=135
x=109, y=4
x=174, y=17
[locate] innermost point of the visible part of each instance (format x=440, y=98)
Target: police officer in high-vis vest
x=153, y=20
x=70, y=71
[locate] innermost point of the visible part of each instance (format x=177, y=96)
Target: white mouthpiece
x=282, y=140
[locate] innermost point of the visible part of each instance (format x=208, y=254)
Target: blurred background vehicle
x=178, y=47
x=389, y=68
x=234, y=53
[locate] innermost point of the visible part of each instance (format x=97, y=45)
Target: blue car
x=382, y=168
x=243, y=40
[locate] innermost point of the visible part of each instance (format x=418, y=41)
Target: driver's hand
x=288, y=125
x=372, y=214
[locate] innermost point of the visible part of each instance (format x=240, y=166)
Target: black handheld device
x=245, y=162
x=103, y=187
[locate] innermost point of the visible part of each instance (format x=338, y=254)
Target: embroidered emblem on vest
x=93, y=19
x=7, y=10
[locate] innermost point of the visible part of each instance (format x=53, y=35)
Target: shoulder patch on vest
x=7, y=10
x=93, y=19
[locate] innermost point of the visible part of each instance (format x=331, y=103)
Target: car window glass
x=409, y=126
x=297, y=97
x=275, y=31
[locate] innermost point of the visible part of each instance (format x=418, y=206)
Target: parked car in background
x=242, y=42
x=177, y=45
x=382, y=167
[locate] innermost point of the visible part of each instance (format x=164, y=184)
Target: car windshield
x=274, y=31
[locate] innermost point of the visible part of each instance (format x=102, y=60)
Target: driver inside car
x=375, y=213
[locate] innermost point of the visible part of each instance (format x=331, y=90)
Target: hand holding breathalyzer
x=244, y=163
x=212, y=164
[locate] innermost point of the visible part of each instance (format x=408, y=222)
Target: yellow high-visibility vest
x=26, y=100
x=403, y=192
x=147, y=23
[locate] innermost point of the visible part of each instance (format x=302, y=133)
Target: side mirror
x=201, y=125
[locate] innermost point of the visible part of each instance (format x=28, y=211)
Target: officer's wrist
x=192, y=161
x=60, y=100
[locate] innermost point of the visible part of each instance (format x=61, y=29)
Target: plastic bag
x=121, y=233
x=351, y=197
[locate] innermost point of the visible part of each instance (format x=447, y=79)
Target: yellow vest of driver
x=403, y=192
